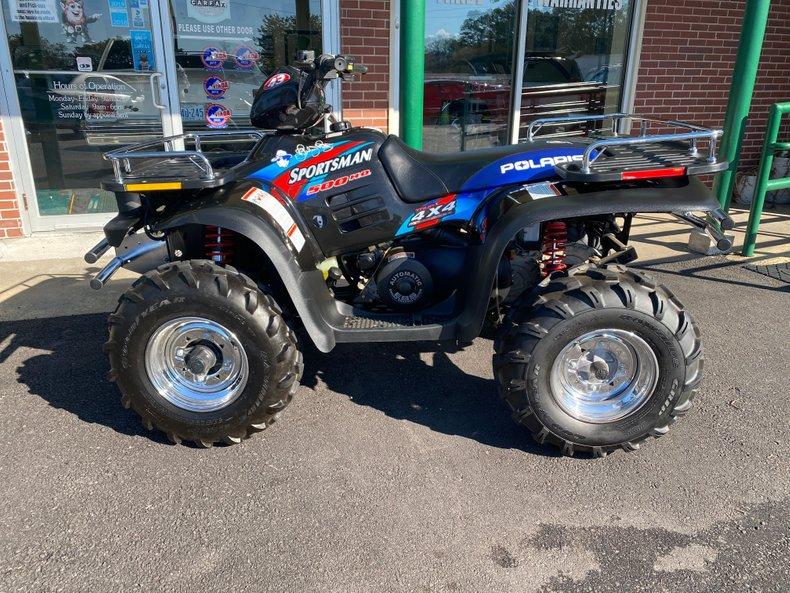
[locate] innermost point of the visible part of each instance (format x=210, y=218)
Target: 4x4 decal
x=432, y=212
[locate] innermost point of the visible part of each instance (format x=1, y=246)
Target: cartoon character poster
x=75, y=21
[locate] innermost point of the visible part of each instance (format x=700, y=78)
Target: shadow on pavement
x=68, y=369
x=398, y=380
x=713, y=268
x=415, y=382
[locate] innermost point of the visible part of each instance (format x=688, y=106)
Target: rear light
x=653, y=173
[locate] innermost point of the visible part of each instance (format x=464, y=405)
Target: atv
x=344, y=234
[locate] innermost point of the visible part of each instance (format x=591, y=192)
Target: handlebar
x=329, y=67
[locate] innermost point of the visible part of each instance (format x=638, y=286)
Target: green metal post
x=755, y=18
x=412, y=70
x=764, y=184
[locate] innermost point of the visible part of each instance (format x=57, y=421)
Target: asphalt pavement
x=397, y=468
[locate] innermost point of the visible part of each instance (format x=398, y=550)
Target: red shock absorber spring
x=219, y=244
x=555, y=240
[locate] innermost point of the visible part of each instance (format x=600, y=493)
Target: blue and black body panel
x=363, y=188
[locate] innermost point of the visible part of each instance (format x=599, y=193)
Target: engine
x=412, y=280
x=417, y=273
x=409, y=276
x=424, y=270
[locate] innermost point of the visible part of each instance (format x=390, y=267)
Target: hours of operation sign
x=33, y=11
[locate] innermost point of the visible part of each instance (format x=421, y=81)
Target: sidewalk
x=45, y=276
x=658, y=236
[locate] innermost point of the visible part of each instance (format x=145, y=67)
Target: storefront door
x=88, y=76
x=224, y=49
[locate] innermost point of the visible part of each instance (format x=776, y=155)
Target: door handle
x=155, y=92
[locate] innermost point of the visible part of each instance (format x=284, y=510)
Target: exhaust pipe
x=155, y=250
x=97, y=251
x=714, y=223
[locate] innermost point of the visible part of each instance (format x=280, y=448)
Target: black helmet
x=278, y=105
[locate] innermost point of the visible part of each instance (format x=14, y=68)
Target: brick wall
x=688, y=53
x=10, y=218
x=364, y=33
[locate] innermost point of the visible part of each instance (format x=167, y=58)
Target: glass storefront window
x=82, y=72
x=225, y=49
x=86, y=77
x=574, y=59
x=468, y=71
x=573, y=64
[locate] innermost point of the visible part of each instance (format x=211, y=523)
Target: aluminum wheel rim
x=604, y=375
x=179, y=347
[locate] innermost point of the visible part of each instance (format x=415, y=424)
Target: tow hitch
x=623, y=254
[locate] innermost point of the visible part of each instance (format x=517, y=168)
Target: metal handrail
x=594, y=150
x=121, y=158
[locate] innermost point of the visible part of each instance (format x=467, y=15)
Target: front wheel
x=598, y=360
x=201, y=354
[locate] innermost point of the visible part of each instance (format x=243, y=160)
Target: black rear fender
x=515, y=211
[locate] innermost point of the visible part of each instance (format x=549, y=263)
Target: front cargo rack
x=187, y=161
x=613, y=156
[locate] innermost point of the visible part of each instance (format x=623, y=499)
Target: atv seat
x=420, y=176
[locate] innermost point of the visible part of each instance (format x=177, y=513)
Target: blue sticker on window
x=119, y=17
x=142, y=50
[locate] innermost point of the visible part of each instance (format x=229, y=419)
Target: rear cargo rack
x=187, y=161
x=611, y=156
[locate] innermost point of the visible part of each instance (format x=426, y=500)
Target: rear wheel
x=598, y=360
x=201, y=354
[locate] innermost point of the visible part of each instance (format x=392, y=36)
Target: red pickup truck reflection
x=475, y=94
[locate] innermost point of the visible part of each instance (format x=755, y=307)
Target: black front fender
x=510, y=215
x=303, y=281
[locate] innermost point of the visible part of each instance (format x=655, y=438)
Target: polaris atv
x=242, y=237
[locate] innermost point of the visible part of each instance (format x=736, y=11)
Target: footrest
x=390, y=321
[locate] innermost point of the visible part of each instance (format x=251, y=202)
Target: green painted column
x=744, y=74
x=412, y=70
